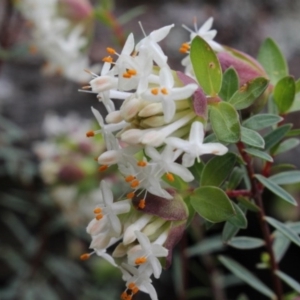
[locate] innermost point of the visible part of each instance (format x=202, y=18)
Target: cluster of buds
x=59, y=29
x=155, y=136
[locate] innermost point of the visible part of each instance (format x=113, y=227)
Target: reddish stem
x=256, y=194
x=237, y=193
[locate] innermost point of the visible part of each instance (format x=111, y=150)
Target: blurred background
x=48, y=177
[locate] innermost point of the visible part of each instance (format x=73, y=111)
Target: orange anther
x=170, y=177
x=131, y=71
x=130, y=195
x=164, y=91
x=108, y=59
x=97, y=210
x=111, y=50
x=134, y=183
x=129, y=178
x=102, y=168
x=140, y=260
x=133, y=287
x=125, y=296
x=154, y=91
x=99, y=217
x=126, y=75
x=183, y=50
x=142, y=204
x=85, y=256
x=186, y=46
x=90, y=133
x=142, y=163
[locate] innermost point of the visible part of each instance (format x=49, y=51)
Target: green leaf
x=212, y=204
x=248, y=204
x=217, y=169
x=259, y=154
x=225, y=122
x=288, y=177
x=276, y=189
x=289, y=280
x=244, y=242
x=280, y=245
x=206, y=66
x=284, y=93
x=197, y=169
x=275, y=136
x=296, y=102
x=294, y=132
x=235, y=178
x=287, y=145
x=230, y=84
x=239, y=219
x=271, y=58
x=262, y=121
x=248, y=93
x=242, y=273
x=284, y=229
x=282, y=167
x=207, y=246
x=252, y=138
x=229, y=231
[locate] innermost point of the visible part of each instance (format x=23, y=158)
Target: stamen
x=108, y=59
x=140, y=260
x=183, y=50
x=133, y=287
x=85, y=256
x=170, y=177
x=154, y=91
x=131, y=71
x=111, y=50
x=130, y=195
x=141, y=26
x=103, y=168
x=142, y=163
x=142, y=204
x=185, y=45
x=97, y=210
x=99, y=217
x=134, y=183
x=164, y=91
x=129, y=178
x=126, y=75
x=90, y=133
x=125, y=296
x=87, y=87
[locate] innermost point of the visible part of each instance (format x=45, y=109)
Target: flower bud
x=247, y=69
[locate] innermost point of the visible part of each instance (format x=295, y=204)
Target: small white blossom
x=194, y=147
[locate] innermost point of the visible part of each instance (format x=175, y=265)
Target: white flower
x=150, y=42
x=166, y=93
x=206, y=33
x=165, y=160
x=148, y=254
x=102, y=253
x=194, y=147
x=137, y=279
x=111, y=209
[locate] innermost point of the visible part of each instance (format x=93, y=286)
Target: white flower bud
x=114, y=117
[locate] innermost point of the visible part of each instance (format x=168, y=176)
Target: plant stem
x=237, y=193
x=256, y=194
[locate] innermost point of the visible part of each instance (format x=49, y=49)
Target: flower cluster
x=155, y=136
x=58, y=28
